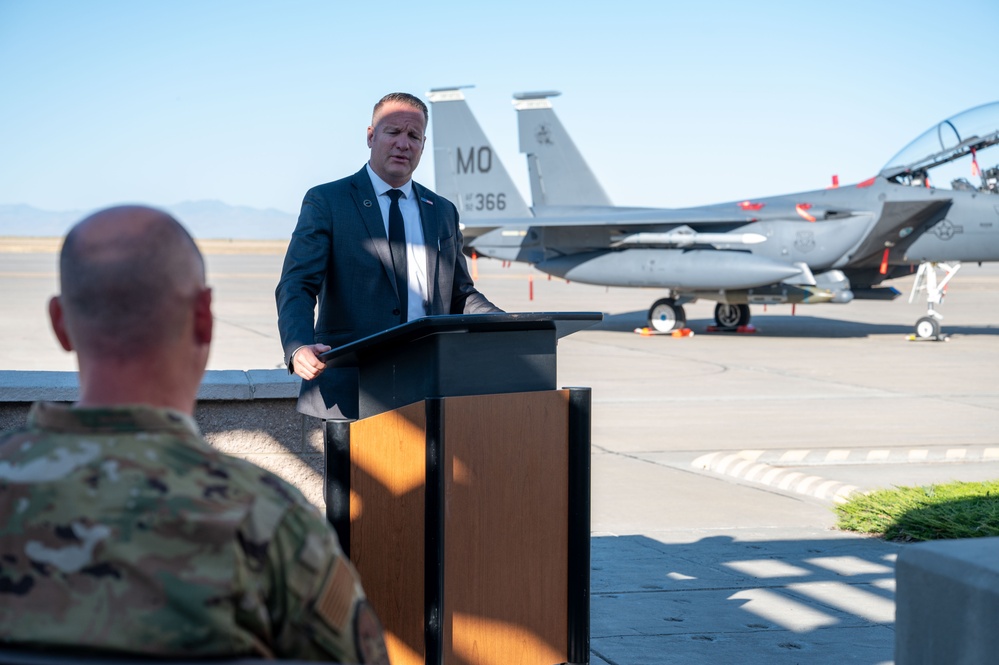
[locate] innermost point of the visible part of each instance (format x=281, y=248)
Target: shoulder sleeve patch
x=337, y=597
x=368, y=636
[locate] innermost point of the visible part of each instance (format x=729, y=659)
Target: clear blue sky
x=673, y=104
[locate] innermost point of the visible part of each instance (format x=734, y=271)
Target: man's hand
x=307, y=363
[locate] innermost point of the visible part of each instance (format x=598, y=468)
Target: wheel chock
x=649, y=332
x=745, y=330
x=935, y=338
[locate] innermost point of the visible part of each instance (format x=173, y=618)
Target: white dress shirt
x=416, y=249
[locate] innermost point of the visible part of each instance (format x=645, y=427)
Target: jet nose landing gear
x=928, y=327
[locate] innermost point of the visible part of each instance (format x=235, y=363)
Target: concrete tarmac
x=716, y=457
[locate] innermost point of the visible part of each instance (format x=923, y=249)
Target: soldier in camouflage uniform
x=122, y=529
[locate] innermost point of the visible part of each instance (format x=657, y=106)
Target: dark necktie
x=397, y=244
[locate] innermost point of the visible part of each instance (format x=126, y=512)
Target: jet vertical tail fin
x=466, y=168
x=559, y=174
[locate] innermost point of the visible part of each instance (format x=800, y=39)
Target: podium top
x=563, y=323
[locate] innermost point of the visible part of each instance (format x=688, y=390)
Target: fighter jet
x=827, y=245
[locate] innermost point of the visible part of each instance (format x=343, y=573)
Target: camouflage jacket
x=123, y=530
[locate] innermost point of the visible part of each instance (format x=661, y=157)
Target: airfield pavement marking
x=27, y=275
x=764, y=467
x=736, y=466
x=821, y=456
x=30, y=245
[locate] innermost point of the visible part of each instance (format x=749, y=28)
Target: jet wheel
x=927, y=327
x=731, y=316
x=665, y=316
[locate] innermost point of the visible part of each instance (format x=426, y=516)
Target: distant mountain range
x=204, y=219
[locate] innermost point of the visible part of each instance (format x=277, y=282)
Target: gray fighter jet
x=829, y=245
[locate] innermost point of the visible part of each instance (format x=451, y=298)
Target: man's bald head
x=128, y=277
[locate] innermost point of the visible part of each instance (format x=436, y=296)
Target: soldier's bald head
x=128, y=276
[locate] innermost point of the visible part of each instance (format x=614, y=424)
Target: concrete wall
x=947, y=603
x=249, y=414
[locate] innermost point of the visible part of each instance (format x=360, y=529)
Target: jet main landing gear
x=666, y=316
x=731, y=316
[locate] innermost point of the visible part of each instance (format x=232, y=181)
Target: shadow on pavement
x=790, y=326
x=723, y=600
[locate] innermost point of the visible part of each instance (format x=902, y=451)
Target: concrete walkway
x=691, y=568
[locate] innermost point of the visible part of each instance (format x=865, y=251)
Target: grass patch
x=931, y=512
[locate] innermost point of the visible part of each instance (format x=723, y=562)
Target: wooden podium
x=462, y=494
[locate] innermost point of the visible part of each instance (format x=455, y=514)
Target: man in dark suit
x=348, y=255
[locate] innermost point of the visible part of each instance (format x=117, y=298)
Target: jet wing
x=732, y=214
x=636, y=217
x=613, y=220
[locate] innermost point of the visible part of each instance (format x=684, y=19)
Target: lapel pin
x=427, y=201
x=367, y=203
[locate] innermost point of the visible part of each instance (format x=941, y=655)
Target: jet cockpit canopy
x=952, y=150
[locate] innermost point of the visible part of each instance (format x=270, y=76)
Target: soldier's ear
x=203, y=322
x=58, y=321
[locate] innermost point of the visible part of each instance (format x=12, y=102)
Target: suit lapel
x=371, y=216
x=431, y=238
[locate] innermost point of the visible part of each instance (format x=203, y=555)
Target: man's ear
x=59, y=323
x=371, y=135
x=203, y=321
